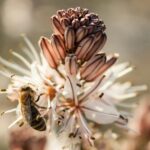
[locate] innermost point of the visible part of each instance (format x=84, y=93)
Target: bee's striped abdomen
x=32, y=117
x=37, y=122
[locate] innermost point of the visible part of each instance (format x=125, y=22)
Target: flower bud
x=69, y=38
x=92, y=66
x=48, y=52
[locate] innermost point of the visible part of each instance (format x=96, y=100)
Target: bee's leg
x=8, y=111
x=15, y=122
x=48, y=108
x=42, y=107
x=39, y=97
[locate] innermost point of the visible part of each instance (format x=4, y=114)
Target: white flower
x=94, y=101
x=70, y=79
x=116, y=92
x=33, y=71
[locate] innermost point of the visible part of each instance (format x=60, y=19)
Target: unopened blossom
x=76, y=31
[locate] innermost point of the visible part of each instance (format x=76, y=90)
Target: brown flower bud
x=101, y=69
x=48, y=52
x=58, y=47
x=94, y=63
x=57, y=27
x=97, y=46
x=65, y=22
x=71, y=65
x=84, y=46
x=69, y=38
x=81, y=33
x=76, y=23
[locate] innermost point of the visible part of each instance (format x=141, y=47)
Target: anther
x=101, y=95
x=3, y=90
x=92, y=138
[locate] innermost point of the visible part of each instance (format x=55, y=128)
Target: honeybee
x=28, y=109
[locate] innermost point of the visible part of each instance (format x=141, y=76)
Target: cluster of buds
x=81, y=34
x=76, y=31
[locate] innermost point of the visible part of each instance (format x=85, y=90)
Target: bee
x=28, y=109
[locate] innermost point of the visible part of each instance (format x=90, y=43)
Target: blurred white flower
x=32, y=71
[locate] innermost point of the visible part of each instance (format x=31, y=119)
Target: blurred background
x=128, y=31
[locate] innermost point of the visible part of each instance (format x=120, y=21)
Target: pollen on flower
x=51, y=92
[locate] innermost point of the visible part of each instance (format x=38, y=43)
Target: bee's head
x=27, y=89
x=26, y=93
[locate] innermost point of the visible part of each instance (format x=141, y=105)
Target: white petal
x=35, y=73
x=31, y=47
x=99, y=112
x=117, y=69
